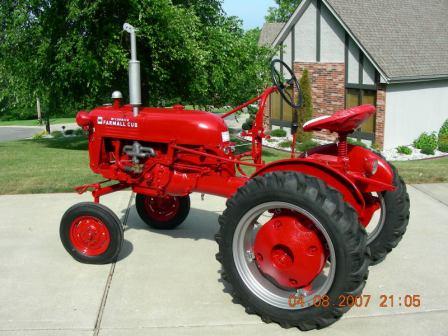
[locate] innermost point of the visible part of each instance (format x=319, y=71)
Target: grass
x=44, y=166
x=58, y=165
x=34, y=122
x=424, y=171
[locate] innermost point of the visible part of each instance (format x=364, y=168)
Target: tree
x=67, y=53
x=306, y=110
x=283, y=11
x=73, y=54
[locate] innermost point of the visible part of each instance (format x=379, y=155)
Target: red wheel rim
x=162, y=209
x=289, y=250
x=89, y=235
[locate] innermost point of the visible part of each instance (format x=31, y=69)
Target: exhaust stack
x=135, y=94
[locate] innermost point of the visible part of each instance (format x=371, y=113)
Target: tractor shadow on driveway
x=200, y=224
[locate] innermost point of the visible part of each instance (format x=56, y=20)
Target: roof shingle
x=269, y=32
x=408, y=39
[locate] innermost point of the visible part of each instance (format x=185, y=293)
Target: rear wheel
x=389, y=223
x=163, y=213
x=91, y=233
x=292, y=248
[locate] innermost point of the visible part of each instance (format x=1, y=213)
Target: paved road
x=168, y=283
x=8, y=133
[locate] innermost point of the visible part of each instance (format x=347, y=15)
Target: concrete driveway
x=168, y=283
x=8, y=133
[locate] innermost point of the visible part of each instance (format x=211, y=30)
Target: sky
x=252, y=12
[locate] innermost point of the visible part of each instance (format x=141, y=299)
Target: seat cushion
x=341, y=121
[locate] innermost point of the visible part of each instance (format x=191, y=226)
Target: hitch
x=98, y=191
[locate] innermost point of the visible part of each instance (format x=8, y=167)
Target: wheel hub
x=89, y=235
x=289, y=251
x=162, y=208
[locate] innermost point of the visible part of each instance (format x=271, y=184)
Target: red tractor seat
x=341, y=121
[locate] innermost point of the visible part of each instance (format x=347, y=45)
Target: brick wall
x=328, y=89
x=328, y=93
x=380, y=115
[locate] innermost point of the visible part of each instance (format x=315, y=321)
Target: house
x=393, y=54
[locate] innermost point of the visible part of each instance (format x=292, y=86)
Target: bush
x=376, y=147
x=79, y=131
x=306, y=145
x=285, y=144
x=404, y=150
x=306, y=110
x=427, y=141
x=356, y=142
x=69, y=132
x=444, y=129
x=57, y=134
x=443, y=143
x=278, y=133
x=427, y=149
x=39, y=135
x=250, y=121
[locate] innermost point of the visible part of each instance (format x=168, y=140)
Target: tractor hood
x=184, y=127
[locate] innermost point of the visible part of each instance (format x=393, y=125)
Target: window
x=355, y=97
x=280, y=110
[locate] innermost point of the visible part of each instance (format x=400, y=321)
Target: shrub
x=69, y=132
x=79, y=131
x=278, y=133
x=356, y=142
x=444, y=129
x=250, y=121
x=427, y=149
x=57, y=134
x=443, y=143
x=427, y=141
x=246, y=126
x=39, y=135
x=252, y=110
x=404, y=150
x=285, y=144
x=306, y=145
x=306, y=111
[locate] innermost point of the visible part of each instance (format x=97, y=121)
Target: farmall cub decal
x=118, y=122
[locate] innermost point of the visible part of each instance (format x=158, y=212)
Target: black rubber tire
x=108, y=217
x=397, y=218
x=184, y=210
x=338, y=218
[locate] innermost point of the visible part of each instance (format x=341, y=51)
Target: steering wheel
x=295, y=99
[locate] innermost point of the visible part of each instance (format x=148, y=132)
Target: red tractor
x=298, y=235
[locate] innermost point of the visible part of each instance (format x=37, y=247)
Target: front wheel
x=91, y=233
x=164, y=212
x=292, y=248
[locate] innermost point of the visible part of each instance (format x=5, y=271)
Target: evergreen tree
x=306, y=111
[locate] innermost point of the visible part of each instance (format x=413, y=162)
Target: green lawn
x=57, y=165
x=35, y=122
x=424, y=171
x=44, y=166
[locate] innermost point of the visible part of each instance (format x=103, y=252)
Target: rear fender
x=325, y=173
x=382, y=180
